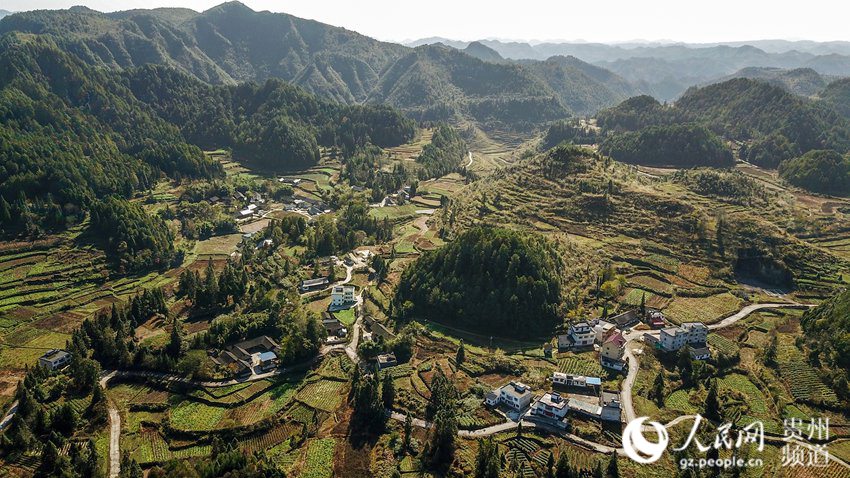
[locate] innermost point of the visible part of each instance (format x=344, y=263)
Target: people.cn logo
x=639, y=448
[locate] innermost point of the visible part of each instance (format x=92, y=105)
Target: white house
x=581, y=334
x=568, y=380
x=516, y=395
x=552, y=405
x=697, y=332
x=674, y=338
x=342, y=295
x=54, y=359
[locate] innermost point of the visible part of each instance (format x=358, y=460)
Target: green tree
x=658, y=389
x=460, y=356
x=563, y=468
x=487, y=462
x=388, y=391
x=712, y=402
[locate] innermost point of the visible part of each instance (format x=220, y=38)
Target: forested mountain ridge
x=740, y=109
x=231, y=43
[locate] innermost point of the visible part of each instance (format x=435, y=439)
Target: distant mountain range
x=4, y=13
x=667, y=70
x=231, y=43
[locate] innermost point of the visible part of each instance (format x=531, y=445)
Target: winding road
x=634, y=336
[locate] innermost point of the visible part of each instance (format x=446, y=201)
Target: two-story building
x=611, y=408
x=54, y=359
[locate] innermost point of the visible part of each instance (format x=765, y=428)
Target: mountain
x=582, y=87
x=4, y=13
x=482, y=52
x=231, y=43
x=225, y=44
x=800, y=81
x=436, y=81
x=667, y=70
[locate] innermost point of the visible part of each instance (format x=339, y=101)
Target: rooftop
x=54, y=354
x=553, y=400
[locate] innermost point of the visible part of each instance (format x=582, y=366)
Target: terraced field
x=323, y=395
x=579, y=365
x=801, y=379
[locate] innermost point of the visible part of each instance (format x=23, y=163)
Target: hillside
x=826, y=329
x=435, y=82
x=800, y=81
x=685, y=145
x=740, y=109
x=837, y=96
x=724, y=224
x=73, y=133
x=822, y=171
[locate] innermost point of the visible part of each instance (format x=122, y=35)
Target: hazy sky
x=592, y=20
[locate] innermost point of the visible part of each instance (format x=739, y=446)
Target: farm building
x=626, y=319
x=699, y=353
x=580, y=381
x=386, y=361
x=249, y=356
x=54, y=359
x=551, y=406
x=612, y=351
x=611, y=410
x=313, y=284
x=516, y=395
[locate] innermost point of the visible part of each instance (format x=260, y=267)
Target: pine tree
x=613, y=470
x=408, y=430
x=487, y=462
x=388, y=391
x=175, y=343
x=5, y=212
x=712, y=402
x=563, y=469
x=658, y=389
x=461, y=353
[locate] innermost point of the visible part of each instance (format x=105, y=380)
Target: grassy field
x=346, y=316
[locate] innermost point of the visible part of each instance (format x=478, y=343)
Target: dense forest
x=132, y=238
x=491, y=281
x=444, y=154
x=275, y=125
x=837, y=95
x=683, y=145
x=822, y=171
